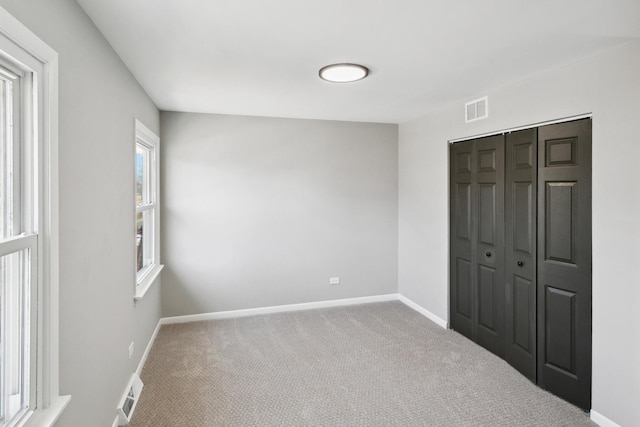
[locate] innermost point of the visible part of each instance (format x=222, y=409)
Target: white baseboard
x=277, y=309
x=426, y=313
x=601, y=420
x=148, y=348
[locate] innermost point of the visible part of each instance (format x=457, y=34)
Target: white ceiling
x=261, y=57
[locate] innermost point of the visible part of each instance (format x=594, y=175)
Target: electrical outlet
x=334, y=280
x=131, y=350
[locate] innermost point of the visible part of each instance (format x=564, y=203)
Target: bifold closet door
x=477, y=241
x=520, y=250
x=564, y=260
x=520, y=238
x=461, y=295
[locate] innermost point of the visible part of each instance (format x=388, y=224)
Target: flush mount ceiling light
x=343, y=73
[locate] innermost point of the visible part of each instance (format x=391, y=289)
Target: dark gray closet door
x=477, y=241
x=488, y=212
x=564, y=261
x=520, y=250
x=461, y=295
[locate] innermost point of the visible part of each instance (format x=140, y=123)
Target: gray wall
x=99, y=100
x=262, y=211
x=606, y=85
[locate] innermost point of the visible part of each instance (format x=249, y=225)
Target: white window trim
x=151, y=273
x=49, y=403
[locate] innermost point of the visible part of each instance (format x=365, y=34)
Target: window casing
x=28, y=229
x=147, y=209
x=18, y=244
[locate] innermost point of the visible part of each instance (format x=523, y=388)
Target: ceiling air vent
x=477, y=109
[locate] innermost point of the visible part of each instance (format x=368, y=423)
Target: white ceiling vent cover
x=477, y=109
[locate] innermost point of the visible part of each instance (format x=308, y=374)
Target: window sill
x=146, y=281
x=48, y=417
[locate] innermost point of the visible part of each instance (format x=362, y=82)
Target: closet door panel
x=564, y=261
x=561, y=216
x=523, y=220
x=523, y=312
x=462, y=290
x=520, y=251
x=489, y=214
x=487, y=284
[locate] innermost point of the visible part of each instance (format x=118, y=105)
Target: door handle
x=520, y=263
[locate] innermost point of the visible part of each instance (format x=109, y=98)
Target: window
x=147, y=209
x=18, y=244
x=28, y=229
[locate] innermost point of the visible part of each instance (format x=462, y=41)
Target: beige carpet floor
x=379, y=364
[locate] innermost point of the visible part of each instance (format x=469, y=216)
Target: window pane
x=14, y=334
x=144, y=238
x=139, y=175
x=139, y=241
x=143, y=190
x=7, y=206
